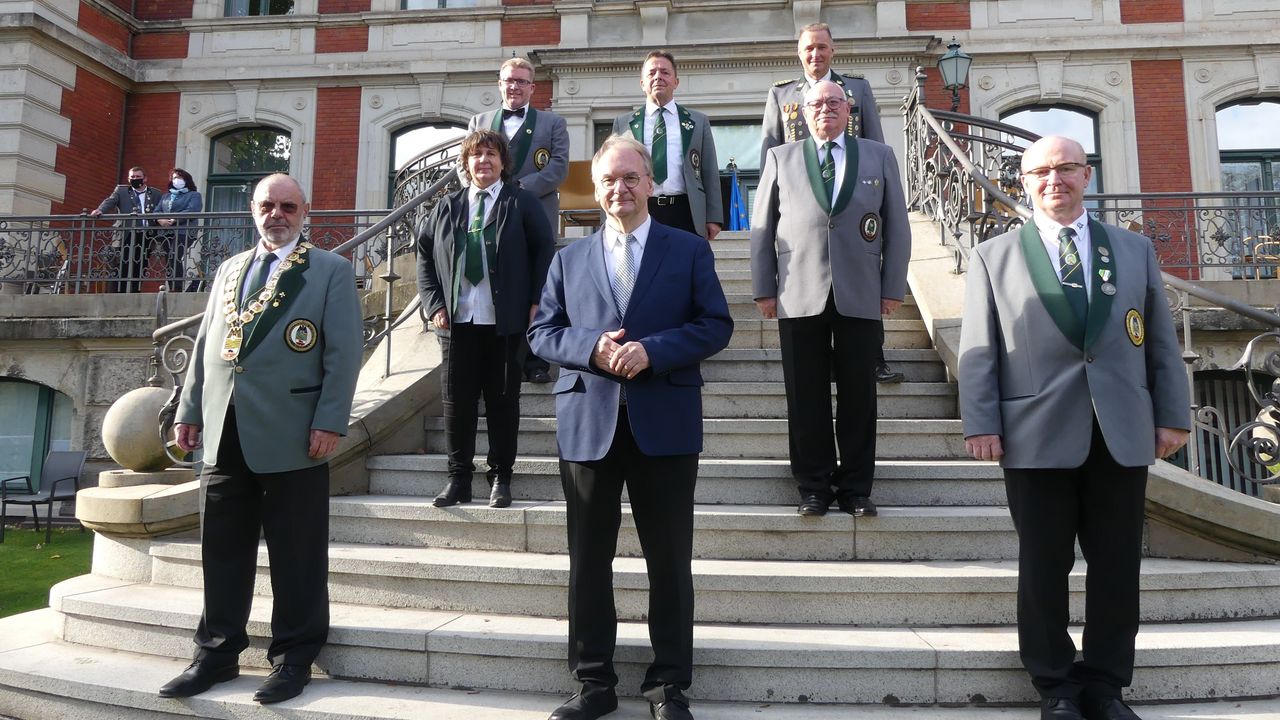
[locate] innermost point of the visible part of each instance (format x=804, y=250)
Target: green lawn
x=28, y=567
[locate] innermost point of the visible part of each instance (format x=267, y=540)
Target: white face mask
x=179, y=183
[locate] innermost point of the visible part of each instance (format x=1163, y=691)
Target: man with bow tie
x=539, y=143
x=829, y=250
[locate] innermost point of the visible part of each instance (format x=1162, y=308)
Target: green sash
x=1049, y=287
x=814, y=169
x=523, y=138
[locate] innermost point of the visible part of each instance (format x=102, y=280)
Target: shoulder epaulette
x=780, y=83
x=856, y=76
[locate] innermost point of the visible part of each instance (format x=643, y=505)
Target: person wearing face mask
x=133, y=198
x=183, y=197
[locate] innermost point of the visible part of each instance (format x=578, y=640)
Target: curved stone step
x=42, y=677
x=742, y=662
x=745, y=438
x=720, y=480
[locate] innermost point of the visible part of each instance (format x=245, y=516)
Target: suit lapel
x=655, y=247
x=1099, y=301
x=814, y=172
x=850, y=181
x=686, y=130
x=597, y=270
x=458, y=212
x=288, y=286
x=1048, y=286
x=637, y=124
x=524, y=137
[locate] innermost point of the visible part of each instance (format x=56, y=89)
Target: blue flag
x=737, y=207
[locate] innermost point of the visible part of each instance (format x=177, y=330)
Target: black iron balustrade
x=963, y=172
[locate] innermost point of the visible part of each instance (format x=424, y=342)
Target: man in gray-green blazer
x=270, y=388
x=686, y=174
x=829, y=250
x=1070, y=376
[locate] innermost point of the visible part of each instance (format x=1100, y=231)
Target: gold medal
x=246, y=316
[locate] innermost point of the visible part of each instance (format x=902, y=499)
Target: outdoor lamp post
x=954, y=67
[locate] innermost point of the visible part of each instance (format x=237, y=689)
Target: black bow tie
x=512, y=113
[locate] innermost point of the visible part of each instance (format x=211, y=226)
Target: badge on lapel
x=541, y=157
x=1134, y=327
x=870, y=227
x=301, y=335
x=695, y=159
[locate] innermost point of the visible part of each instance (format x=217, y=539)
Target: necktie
x=261, y=272
x=474, y=272
x=519, y=112
x=829, y=170
x=624, y=275
x=1073, y=278
x=659, y=148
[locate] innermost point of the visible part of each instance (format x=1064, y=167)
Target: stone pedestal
x=141, y=504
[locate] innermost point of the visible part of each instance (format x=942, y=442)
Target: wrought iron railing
x=963, y=172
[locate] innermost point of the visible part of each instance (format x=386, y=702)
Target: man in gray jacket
x=1070, y=376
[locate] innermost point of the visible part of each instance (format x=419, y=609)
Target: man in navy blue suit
x=628, y=313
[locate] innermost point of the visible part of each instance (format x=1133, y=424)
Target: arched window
x=408, y=144
x=1076, y=123
x=37, y=419
x=237, y=161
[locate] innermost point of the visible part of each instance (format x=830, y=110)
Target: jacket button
x=831, y=226
x=239, y=369
x=1088, y=358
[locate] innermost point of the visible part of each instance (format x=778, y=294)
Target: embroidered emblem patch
x=1134, y=326
x=541, y=157
x=301, y=335
x=870, y=227
x=695, y=159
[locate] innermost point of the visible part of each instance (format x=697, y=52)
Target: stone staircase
x=796, y=617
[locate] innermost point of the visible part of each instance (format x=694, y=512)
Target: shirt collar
x=1049, y=227
x=649, y=107
x=280, y=253
x=493, y=190
x=641, y=233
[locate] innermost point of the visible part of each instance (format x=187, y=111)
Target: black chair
x=60, y=467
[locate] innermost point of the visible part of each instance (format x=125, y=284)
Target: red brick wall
x=530, y=31
x=151, y=134
x=342, y=39
x=104, y=27
x=160, y=46
x=937, y=97
x=334, y=7
x=337, y=148
x=938, y=15
x=1150, y=11
x=1164, y=160
x=163, y=9
x=90, y=161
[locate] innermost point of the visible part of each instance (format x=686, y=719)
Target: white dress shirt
x=511, y=125
x=674, y=184
x=475, y=302
x=840, y=158
x=1084, y=245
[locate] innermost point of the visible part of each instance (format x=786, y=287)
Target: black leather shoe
x=858, y=506
x=500, y=495
x=812, y=505
x=886, y=376
x=198, y=677
x=1107, y=708
x=676, y=708
x=588, y=704
x=284, y=682
x=538, y=375
x=454, y=492
x=1059, y=709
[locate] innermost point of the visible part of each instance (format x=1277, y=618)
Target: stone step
x=43, y=677
x=876, y=593
x=765, y=365
x=749, y=438
x=743, y=662
x=769, y=400
x=724, y=532
x=720, y=480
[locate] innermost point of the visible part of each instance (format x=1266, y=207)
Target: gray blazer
x=698, y=162
x=539, y=154
x=1032, y=375
x=859, y=250
x=297, y=367
x=778, y=129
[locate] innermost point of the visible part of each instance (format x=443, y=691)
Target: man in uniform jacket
x=539, y=143
x=482, y=257
x=829, y=250
x=1071, y=377
x=686, y=172
x=784, y=120
x=269, y=388
x=629, y=313
x=136, y=198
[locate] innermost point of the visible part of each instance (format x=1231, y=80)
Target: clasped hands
x=626, y=360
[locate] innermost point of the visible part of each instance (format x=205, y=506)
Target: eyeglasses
x=829, y=103
x=516, y=82
x=631, y=181
x=1065, y=169
x=266, y=207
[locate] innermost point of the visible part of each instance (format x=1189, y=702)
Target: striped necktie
x=624, y=274
x=829, y=170
x=1073, y=278
x=659, y=148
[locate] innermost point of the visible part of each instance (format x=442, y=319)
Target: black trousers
x=673, y=211
x=478, y=362
x=292, y=510
x=1101, y=504
x=813, y=349
x=661, y=493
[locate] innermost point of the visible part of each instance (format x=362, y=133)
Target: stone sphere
x=131, y=430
